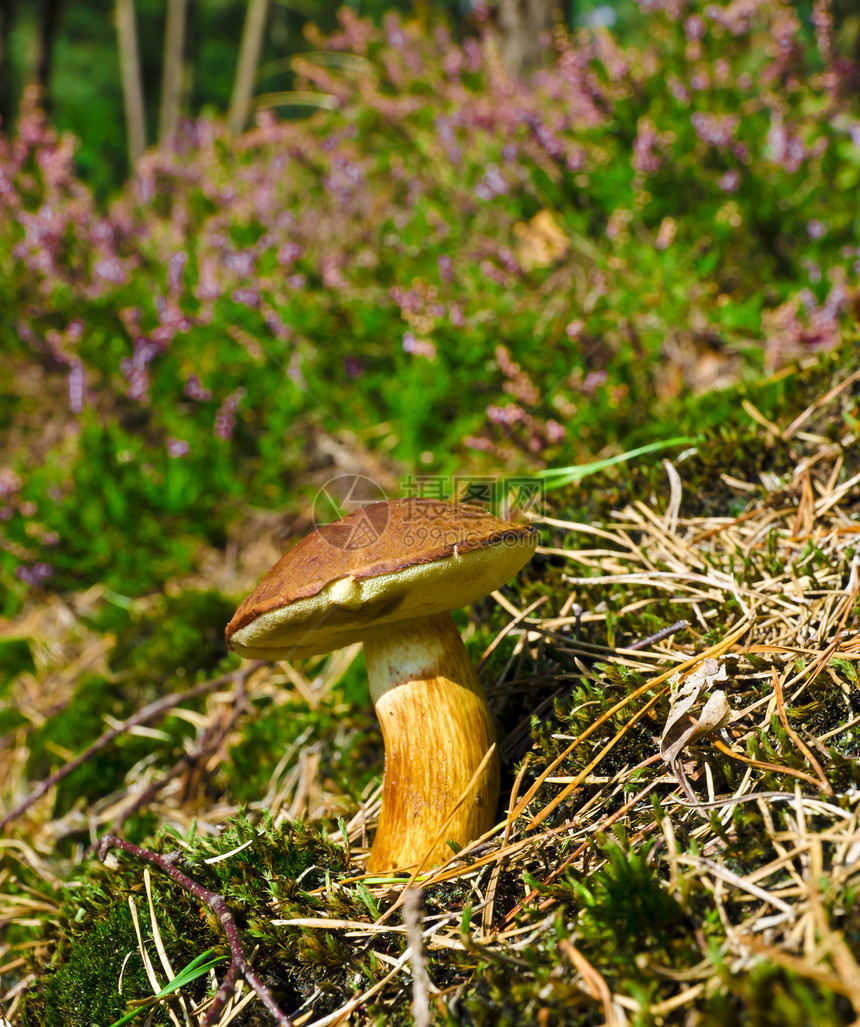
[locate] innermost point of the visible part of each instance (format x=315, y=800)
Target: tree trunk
x=7, y=84
x=249, y=55
x=524, y=28
x=132, y=89
x=173, y=71
x=51, y=12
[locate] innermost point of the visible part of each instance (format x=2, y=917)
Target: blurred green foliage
x=15, y=658
x=181, y=636
x=451, y=272
x=82, y=723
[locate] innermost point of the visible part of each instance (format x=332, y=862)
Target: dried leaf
x=682, y=727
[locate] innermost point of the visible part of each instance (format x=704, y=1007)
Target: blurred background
x=246, y=247
x=187, y=55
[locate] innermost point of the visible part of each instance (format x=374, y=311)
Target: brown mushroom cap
x=386, y=562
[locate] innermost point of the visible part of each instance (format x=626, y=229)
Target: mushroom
x=388, y=575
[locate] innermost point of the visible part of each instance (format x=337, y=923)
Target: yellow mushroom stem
x=437, y=729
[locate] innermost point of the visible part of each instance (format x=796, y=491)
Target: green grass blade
x=196, y=968
x=556, y=477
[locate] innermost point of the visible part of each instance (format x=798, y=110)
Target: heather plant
x=449, y=266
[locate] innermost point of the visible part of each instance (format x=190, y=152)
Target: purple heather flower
x=730, y=180
x=812, y=269
x=225, y=419
x=331, y=274
x=110, y=270
x=507, y=416
x=249, y=297
x=678, y=89
x=672, y=8
x=395, y=33
x=555, y=432
x=135, y=367
x=36, y=575
x=508, y=260
x=10, y=483
x=418, y=347
x=593, y=381
x=645, y=156
x=716, y=129
x=472, y=52
x=242, y=263
x=77, y=387
x=194, y=390
x=176, y=270
x=822, y=19
x=476, y=442
x=493, y=183
x=138, y=380
x=178, y=447
x=289, y=253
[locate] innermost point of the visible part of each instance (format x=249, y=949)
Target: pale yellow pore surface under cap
x=344, y=610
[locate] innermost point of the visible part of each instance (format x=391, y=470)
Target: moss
x=346, y=739
x=184, y=633
x=769, y=996
x=80, y=989
x=16, y=657
x=94, y=930
x=81, y=723
x=626, y=908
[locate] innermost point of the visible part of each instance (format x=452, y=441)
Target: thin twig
x=412, y=917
